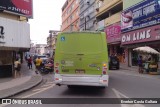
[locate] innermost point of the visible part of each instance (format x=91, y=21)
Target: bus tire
x=70, y=86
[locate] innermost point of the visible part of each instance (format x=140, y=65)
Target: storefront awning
x=14, y=49
x=114, y=43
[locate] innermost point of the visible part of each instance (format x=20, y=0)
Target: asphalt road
x=122, y=84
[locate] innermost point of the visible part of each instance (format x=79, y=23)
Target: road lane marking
x=46, y=85
x=50, y=82
x=119, y=94
x=43, y=89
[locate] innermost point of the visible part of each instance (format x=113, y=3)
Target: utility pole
x=85, y=23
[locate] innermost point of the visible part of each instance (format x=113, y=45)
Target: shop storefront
x=149, y=36
x=140, y=27
x=14, y=40
x=113, y=33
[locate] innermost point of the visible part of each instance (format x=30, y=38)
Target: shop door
x=134, y=58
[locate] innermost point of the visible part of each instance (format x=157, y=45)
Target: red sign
x=142, y=35
x=113, y=33
x=20, y=7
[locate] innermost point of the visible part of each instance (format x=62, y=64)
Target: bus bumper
x=82, y=80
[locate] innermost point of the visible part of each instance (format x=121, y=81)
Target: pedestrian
x=29, y=60
x=17, y=68
x=38, y=64
x=140, y=64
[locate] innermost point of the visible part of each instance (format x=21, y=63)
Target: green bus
x=81, y=58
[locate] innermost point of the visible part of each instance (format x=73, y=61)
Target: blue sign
x=62, y=38
x=143, y=14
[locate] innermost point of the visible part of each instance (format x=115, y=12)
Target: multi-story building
x=87, y=15
x=32, y=50
x=108, y=20
x=14, y=33
x=40, y=49
x=70, y=16
x=51, y=41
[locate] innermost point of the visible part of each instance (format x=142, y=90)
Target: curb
x=34, y=81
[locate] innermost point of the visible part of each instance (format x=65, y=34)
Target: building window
x=71, y=18
x=77, y=1
x=73, y=5
x=67, y=21
x=77, y=24
x=77, y=13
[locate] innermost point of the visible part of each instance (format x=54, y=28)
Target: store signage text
x=142, y=35
x=113, y=33
x=20, y=7
x=137, y=36
x=141, y=15
x=1, y=32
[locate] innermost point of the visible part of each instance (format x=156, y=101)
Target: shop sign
x=142, y=35
x=143, y=14
x=19, y=7
x=113, y=33
x=15, y=37
x=1, y=34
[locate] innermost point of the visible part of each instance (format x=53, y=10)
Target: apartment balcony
x=113, y=19
x=107, y=5
x=109, y=21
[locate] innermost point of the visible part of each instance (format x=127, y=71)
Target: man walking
x=38, y=64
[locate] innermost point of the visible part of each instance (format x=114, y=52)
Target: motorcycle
x=47, y=67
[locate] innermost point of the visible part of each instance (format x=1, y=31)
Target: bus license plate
x=79, y=71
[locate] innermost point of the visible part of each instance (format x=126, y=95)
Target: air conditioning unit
x=87, y=1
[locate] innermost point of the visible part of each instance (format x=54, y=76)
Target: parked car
x=113, y=62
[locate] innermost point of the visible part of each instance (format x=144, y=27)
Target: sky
x=46, y=16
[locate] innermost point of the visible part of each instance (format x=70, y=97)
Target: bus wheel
x=70, y=86
x=102, y=87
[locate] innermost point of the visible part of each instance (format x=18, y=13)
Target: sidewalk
x=134, y=71
x=133, y=68
x=11, y=86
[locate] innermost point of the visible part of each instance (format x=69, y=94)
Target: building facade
x=70, y=16
x=108, y=14
x=14, y=33
x=87, y=15
x=40, y=49
x=51, y=42
x=140, y=27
